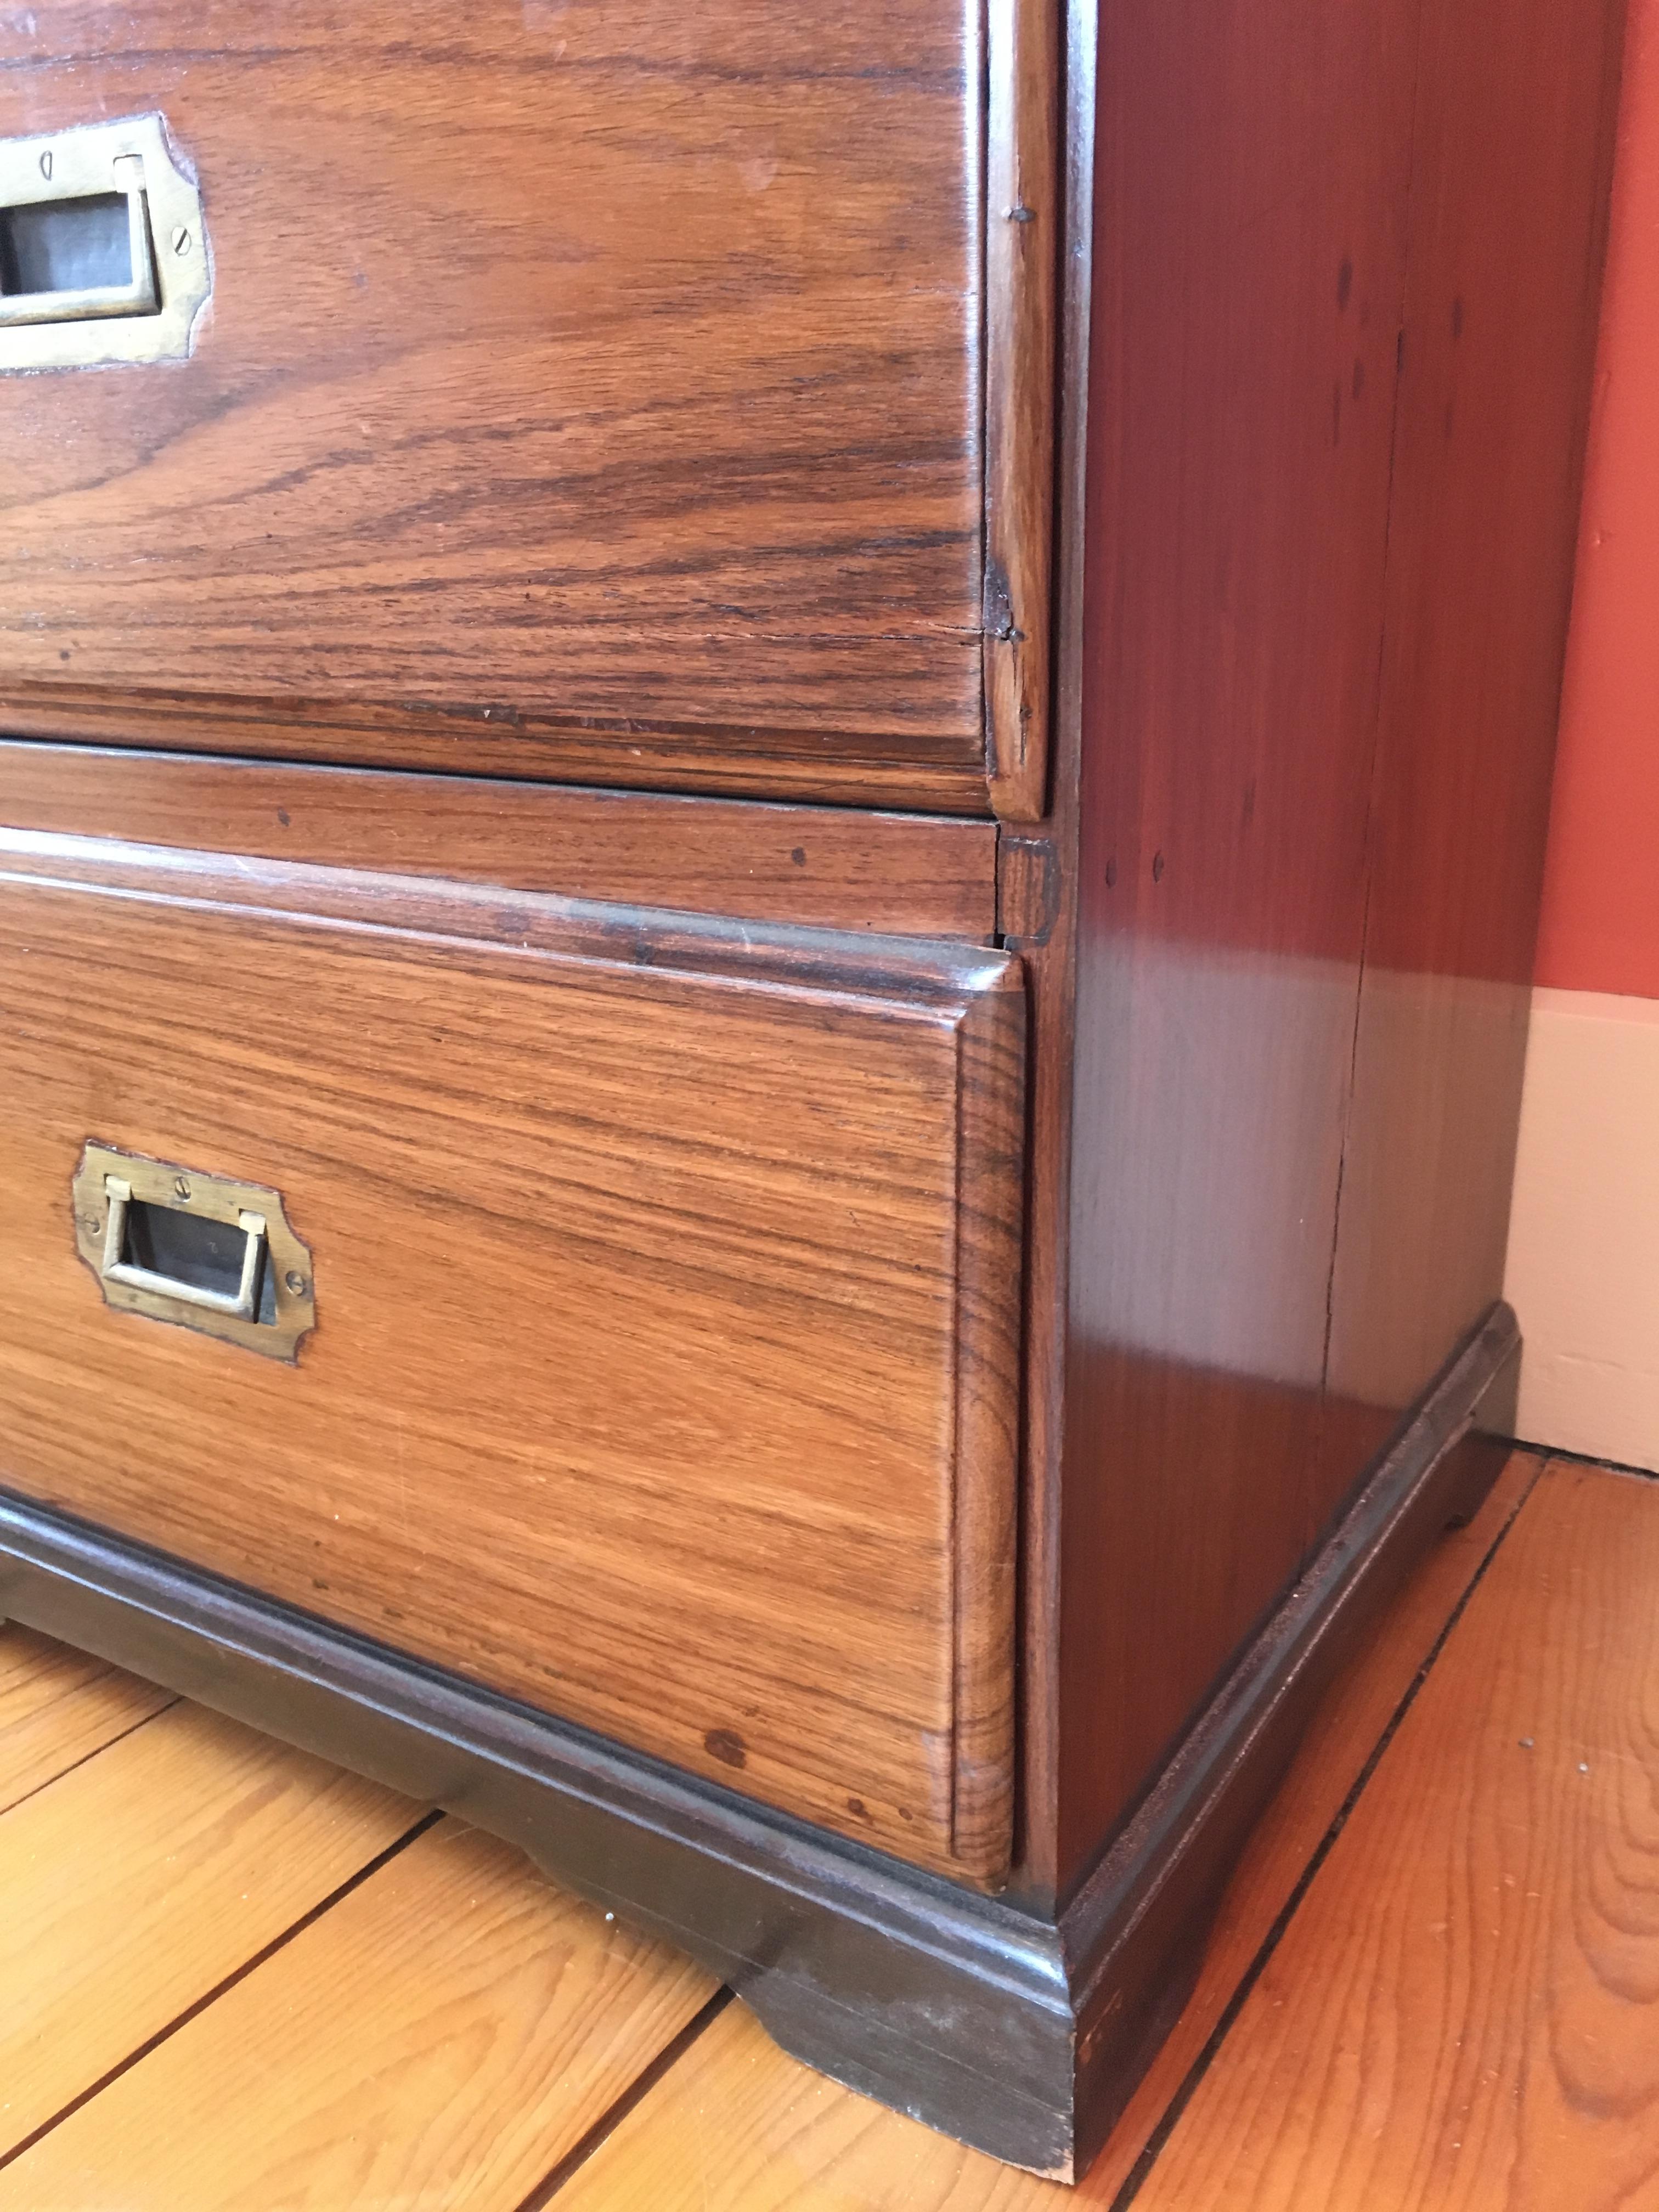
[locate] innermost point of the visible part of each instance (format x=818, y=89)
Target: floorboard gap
x=228, y=1982
x=1590, y=1459
x=637, y=2090
x=143, y=1721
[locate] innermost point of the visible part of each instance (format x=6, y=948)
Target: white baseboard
x=1583, y=1252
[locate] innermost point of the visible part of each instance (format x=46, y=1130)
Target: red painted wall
x=1601, y=920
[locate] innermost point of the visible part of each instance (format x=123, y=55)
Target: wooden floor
x=233, y=1979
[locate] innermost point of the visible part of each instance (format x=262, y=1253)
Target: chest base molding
x=1017, y=2030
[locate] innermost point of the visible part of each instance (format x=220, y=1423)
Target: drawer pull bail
x=198, y=1251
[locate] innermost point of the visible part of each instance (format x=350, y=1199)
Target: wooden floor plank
x=775, y=2134
x=440, y=2039
x=1345, y=1733
x=133, y=1884
x=58, y=1707
x=734, y=2125
x=1464, y=2016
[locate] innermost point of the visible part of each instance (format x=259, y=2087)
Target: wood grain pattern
x=1022, y=250
x=838, y=768
x=134, y=1885
x=1461, y=2015
x=665, y=1366
x=825, y=868
x=614, y=366
x=58, y=1706
x=687, y=1286
x=437, y=2041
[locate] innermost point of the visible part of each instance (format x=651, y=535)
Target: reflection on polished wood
x=1306, y=892
x=1240, y=480
x=1489, y=449
x=908, y=875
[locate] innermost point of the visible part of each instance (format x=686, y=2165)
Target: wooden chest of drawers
x=771, y=786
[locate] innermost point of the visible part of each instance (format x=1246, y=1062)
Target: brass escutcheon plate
x=132, y=158
x=273, y=1304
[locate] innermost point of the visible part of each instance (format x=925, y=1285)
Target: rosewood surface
x=665, y=1370
x=1500, y=333
x=609, y=364
x=769, y=1317
x=822, y=867
x=1310, y=824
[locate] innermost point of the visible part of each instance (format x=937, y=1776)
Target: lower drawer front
x=666, y=1292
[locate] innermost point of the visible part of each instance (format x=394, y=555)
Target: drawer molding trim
x=1019, y=2033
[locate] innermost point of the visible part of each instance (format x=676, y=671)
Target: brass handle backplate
x=196, y=1250
x=103, y=256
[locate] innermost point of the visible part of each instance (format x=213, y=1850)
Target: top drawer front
x=588, y=360
x=666, y=1302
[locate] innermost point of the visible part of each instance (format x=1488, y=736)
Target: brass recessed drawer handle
x=198, y=1250
x=103, y=256
x=51, y=243
x=242, y=1303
